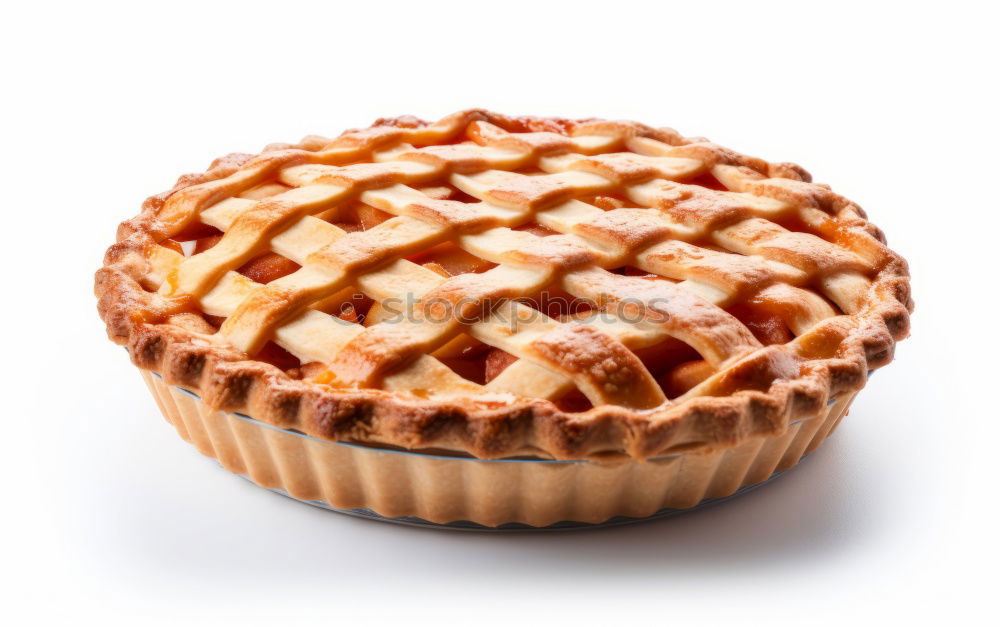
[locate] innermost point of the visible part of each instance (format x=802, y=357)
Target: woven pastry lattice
x=392, y=258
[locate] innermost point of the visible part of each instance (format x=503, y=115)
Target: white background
x=109, y=515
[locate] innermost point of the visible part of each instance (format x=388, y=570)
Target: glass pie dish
x=449, y=490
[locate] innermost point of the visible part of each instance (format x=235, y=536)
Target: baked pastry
x=488, y=287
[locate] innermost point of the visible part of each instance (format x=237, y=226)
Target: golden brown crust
x=758, y=392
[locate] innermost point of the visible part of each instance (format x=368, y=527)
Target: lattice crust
x=542, y=204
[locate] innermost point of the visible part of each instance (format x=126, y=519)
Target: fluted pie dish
x=504, y=320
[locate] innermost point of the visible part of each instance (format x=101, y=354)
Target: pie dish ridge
x=755, y=389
